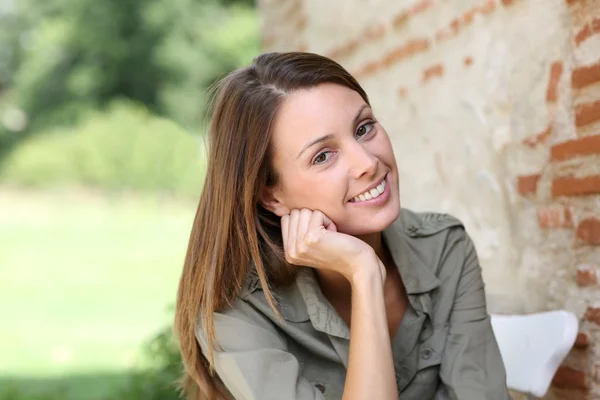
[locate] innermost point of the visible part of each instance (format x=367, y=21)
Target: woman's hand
x=311, y=239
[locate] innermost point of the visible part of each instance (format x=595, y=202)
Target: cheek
x=323, y=192
x=386, y=143
x=386, y=151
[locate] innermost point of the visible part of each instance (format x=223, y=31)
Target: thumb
x=328, y=224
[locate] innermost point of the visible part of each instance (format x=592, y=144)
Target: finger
x=285, y=224
x=293, y=231
x=329, y=224
x=303, y=223
x=324, y=221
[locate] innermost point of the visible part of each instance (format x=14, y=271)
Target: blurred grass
x=85, y=279
x=98, y=386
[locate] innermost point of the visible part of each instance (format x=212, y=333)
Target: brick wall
x=493, y=107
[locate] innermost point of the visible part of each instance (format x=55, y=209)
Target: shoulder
x=438, y=240
x=424, y=224
x=240, y=316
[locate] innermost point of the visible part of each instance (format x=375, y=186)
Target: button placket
x=426, y=353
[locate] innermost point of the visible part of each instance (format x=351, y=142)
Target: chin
x=373, y=223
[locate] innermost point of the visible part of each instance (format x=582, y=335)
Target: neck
x=375, y=240
x=337, y=288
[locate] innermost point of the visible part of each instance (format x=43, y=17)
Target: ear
x=271, y=199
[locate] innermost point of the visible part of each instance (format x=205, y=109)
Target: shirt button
x=426, y=354
x=412, y=229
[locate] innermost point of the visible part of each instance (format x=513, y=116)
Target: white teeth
x=371, y=194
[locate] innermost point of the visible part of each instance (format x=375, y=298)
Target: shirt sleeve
x=253, y=361
x=472, y=367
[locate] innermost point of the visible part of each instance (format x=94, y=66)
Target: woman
x=304, y=279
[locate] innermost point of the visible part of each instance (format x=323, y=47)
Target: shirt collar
x=322, y=314
x=417, y=276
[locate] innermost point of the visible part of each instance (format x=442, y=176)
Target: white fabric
x=533, y=346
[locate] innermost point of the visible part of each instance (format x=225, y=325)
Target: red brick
x=406, y=50
x=468, y=17
x=585, y=146
x=433, y=71
x=588, y=230
x=344, y=50
x=420, y=7
x=541, y=137
x=464, y=20
x=588, y=31
x=567, y=377
x=585, y=76
x=592, y=314
x=368, y=69
x=455, y=25
x=400, y=19
x=569, y=186
x=488, y=7
x=587, y=275
x=443, y=34
x=583, y=34
x=555, y=217
x=351, y=46
x=301, y=23
x=555, y=72
x=587, y=113
x=374, y=32
x=582, y=340
x=527, y=184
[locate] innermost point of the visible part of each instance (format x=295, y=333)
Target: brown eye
x=322, y=157
x=364, y=129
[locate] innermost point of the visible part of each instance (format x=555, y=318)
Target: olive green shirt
x=444, y=347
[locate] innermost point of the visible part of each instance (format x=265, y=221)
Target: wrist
x=364, y=269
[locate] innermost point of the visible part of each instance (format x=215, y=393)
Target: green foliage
x=198, y=51
x=61, y=58
x=124, y=148
x=159, y=380
x=110, y=92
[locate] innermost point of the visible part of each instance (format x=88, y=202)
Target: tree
x=68, y=56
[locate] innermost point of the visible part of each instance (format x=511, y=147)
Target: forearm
x=370, y=372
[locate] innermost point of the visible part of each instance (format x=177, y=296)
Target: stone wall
x=493, y=107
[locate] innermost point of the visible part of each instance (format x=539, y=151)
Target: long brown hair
x=232, y=232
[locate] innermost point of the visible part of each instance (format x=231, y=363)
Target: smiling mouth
x=370, y=194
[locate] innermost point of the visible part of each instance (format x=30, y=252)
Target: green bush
x=124, y=148
x=155, y=378
x=158, y=381
x=60, y=58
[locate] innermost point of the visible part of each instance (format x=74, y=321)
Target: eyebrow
x=330, y=136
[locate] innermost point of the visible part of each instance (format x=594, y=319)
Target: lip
x=379, y=199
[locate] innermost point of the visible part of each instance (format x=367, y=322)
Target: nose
x=362, y=161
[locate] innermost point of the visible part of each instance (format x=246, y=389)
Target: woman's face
x=329, y=152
